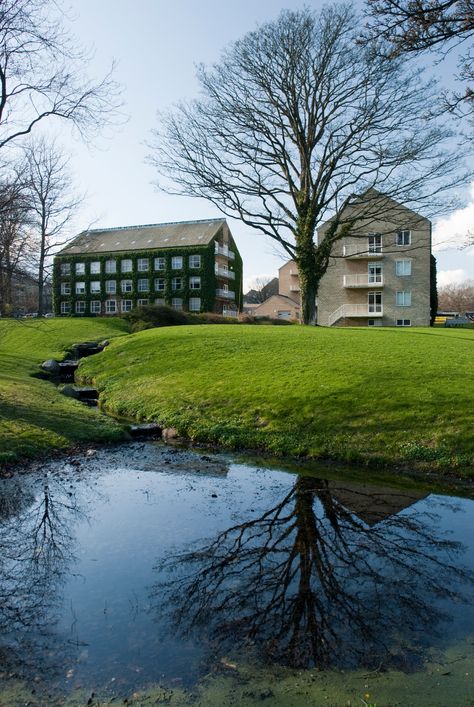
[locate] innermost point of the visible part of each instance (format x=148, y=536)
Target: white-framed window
x=403, y=238
x=176, y=262
x=110, y=266
x=94, y=286
x=160, y=284
x=65, y=268
x=160, y=263
x=143, y=284
x=80, y=288
x=403, y=299
x=142, y=302
x=80, y=307
x=403, y=268
x=194, y=261
x=127, y=305
x=65, y=307
x=176, y=283
x=403, y=322
x=374, y=301
x=177, y=303
x=110, y=306
x=195, y=283
x=225, y=287
x=374, y=242
x=126, y=265
x=65, y=288
x=194, y=304
x=111, y=287
x=95, y=267
x=96, y=307
x=160, y=301
x=375, y=273
x=143, y=264
x=126, y=285
x=80, y=268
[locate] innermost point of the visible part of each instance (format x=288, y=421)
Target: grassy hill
x=34, y=418
x=402, y=396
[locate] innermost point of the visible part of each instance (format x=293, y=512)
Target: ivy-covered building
x=191, y=265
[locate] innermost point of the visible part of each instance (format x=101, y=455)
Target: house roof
x=280, y=299
x=145, y=237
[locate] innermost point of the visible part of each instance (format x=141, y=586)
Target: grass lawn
x=34, y=418
x=370, y=395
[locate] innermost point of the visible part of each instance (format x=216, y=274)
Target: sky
x=157, y=44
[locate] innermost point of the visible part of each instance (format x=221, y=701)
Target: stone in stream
x=86, y=393
x=51, y=366
x=146, y=429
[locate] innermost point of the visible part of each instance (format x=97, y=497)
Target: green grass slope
x=34, y=417
x=365, y=395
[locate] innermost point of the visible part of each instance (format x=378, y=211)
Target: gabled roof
x=146, y=237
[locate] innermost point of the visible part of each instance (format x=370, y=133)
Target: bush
x=153, y=315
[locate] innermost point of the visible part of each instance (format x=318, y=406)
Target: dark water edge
x=144, y=565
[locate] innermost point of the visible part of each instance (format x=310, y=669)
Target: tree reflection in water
x=36, y=551
x=309, y=583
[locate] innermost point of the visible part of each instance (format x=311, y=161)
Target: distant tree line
x=457, y=297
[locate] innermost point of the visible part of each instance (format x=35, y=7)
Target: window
x=110, y=266
x=225, y=287
x=375, y=273
x=80, y=288
x=403, y=299
x=160, y=301
x=159, y=284
x=127, y=305
x=126, y=286
x=143, y=285
x=95, y=267
x=95, y=286
x=143, y=264
x=176, y=283
x=375, y=302
x=194, y=261
x=65, y=268
x=194, y=304
x=403, y=268
x=126, y=266
x=65, y=288
x=160, y=264
x=374, y=242
x=111, y=287
x=65, y=307
x=403, y=238
x=80, y=268
x=142, y=302
x=177, y=262
x=80, y=307
x=177, y=303
x=110, y=306
x=371, y=322
x=96, y=306
x=194, y=283
x=403, y=322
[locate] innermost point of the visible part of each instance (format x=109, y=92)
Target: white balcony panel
x=226, y=294
x=222, y=272
x=363, y=280
x=362, y=251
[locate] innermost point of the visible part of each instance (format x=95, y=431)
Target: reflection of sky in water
x=112, y=626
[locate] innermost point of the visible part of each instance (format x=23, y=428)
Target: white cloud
x=450, y=277
x=455, y=229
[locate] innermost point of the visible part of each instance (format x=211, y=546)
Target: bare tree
x=51, y=201
x=42, y=73
x=457, y=297
x=297, y=121
x=261, y=289
x=437, y=25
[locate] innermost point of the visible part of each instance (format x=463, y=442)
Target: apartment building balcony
x=361, y=252
x=294, y=288
x=363, y=280
x=225, y=251
x=223, y=272
x=355, y=311
x=225, y=294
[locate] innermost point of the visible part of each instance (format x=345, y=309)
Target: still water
x=143, y=564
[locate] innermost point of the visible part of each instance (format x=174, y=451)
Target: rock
x=103, y=344
x=70, y=391
x=170, y=433
x=51, y=366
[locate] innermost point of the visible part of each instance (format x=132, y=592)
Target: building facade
x=192, y=266
x=285, y=304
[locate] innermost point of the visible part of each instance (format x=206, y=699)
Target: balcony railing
x=294, y=288
x=224, y=250
x=362, y=251
x=363, y=280
x=226, y=294
x=355, y=310
x=222, y=272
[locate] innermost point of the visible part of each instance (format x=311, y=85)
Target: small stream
x=144, y=564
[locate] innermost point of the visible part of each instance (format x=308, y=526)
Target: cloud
x=456, y=229
x=450, y=277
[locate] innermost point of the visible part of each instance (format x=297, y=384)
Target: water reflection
x=330, y=575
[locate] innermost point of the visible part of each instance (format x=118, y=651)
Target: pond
x=145, y=565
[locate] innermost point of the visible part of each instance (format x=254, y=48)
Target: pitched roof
x=147, y=237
